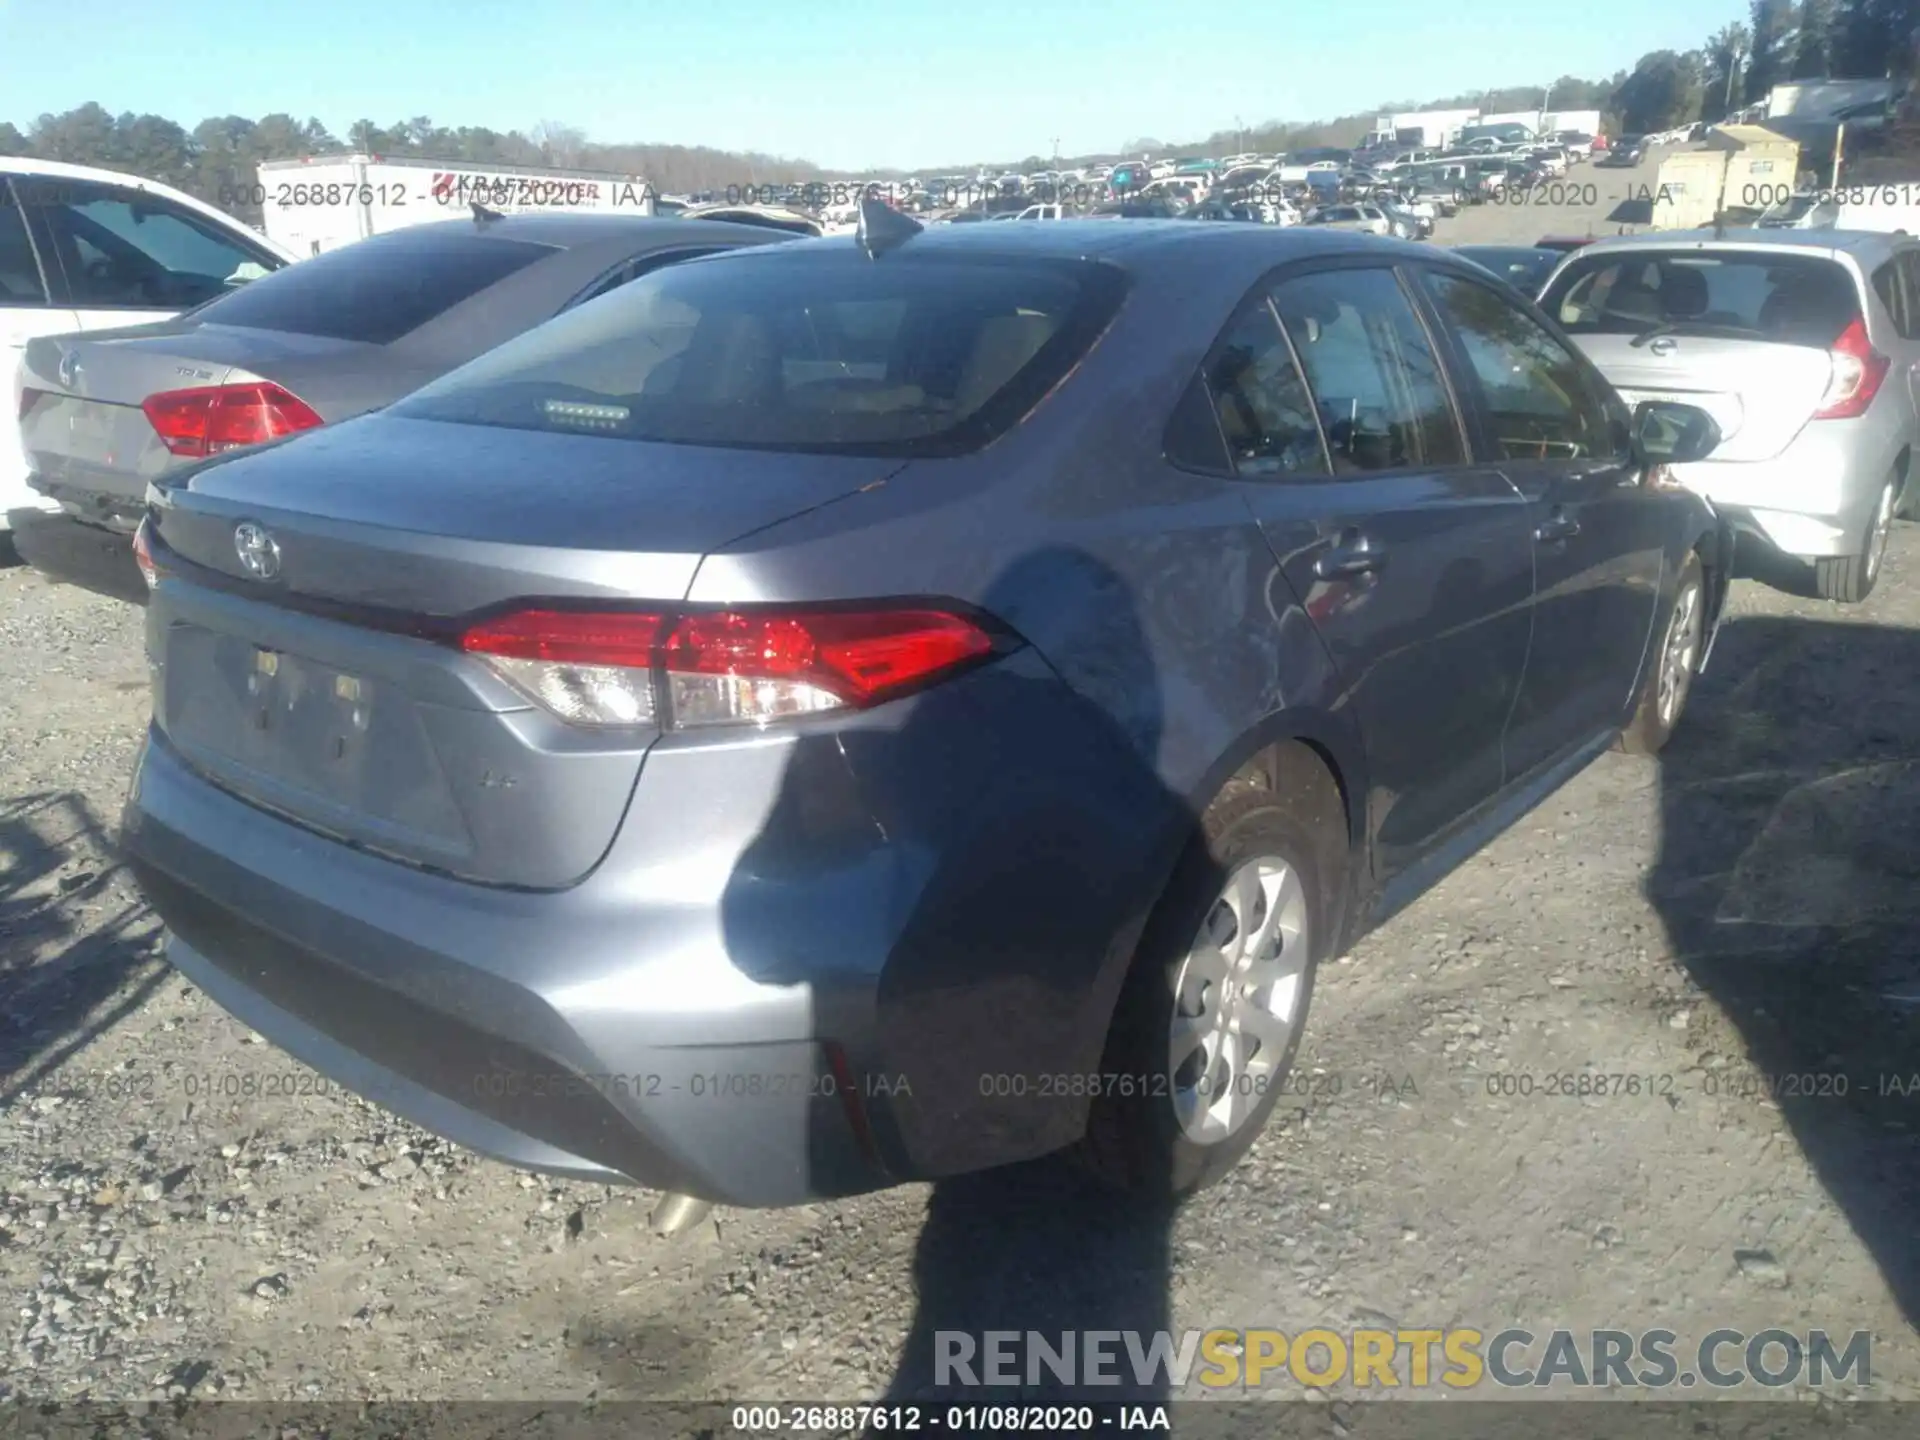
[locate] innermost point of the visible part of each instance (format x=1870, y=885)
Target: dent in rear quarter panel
x=1028, y=815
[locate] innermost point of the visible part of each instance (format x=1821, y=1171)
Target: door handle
x=1557, y=526
x=1354, y=556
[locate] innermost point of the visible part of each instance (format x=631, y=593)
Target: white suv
x=86, y=249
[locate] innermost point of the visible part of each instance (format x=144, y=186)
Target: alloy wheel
x=1238, y=998
x=1677, y=655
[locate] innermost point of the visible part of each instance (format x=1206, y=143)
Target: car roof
x=1140, y=245
x=1505, y=250
x=28, y=165
x=572, y=230
x=1859, y=243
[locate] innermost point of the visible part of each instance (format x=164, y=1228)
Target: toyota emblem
x=258, y=550
x=69, y=369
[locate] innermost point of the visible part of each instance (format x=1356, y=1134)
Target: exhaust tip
x=676, y=1214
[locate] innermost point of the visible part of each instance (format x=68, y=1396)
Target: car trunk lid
x=85, y=435
x=1760, y=393
x=332, y=693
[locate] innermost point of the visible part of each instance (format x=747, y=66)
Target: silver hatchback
x=1805, y=348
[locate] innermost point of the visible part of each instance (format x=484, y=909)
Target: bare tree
x=560, y=144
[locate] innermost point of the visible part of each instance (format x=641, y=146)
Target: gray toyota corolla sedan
x=876, y=708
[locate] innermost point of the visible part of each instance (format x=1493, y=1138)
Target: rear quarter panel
x=1165, y=648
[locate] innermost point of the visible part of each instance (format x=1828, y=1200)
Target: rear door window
x=1261, y=404
x=1783, y=298
x=376, y=290
x=807, y=349
x=1375, y=380
x=128, y=250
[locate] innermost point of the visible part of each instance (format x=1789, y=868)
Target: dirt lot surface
x=1577, y=205
x=183, y=1211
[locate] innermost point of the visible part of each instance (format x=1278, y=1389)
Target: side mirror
x=1667, y=433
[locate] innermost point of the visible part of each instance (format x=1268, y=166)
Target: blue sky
x=846, y=83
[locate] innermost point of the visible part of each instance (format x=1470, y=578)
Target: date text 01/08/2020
x=1737, y=1084
x=151, y=1085
x=949, y=1420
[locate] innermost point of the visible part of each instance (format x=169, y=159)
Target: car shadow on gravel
x=1787, y=881
x=69, y=553
x=51, y=1008
x=1035, y=1249
x=1775, y=569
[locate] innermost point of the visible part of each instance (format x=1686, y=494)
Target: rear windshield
x=1791, y=299
x=819, y=349
x=376, y=290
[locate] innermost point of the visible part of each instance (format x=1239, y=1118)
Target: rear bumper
x=1816, y=497
x=107, y=508
x=720, y=1094
x=877, y=979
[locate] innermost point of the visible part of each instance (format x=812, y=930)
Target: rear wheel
x=1663, y=695
x=1850, y=578
x=1212, y=1012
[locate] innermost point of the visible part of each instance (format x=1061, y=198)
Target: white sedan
x=87, y=249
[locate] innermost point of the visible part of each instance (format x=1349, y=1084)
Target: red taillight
x=623, y=668
x=858, y=656
x=210, y=418
x=143, y=554
x=568, y=637
x=1858, y=369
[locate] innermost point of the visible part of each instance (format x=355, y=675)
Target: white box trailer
x=1436, y=128
x=327, y=201
x=1586, y=122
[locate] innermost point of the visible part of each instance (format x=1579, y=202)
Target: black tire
x=1849, y=579
x=1650, y=728
x=1134, y=1138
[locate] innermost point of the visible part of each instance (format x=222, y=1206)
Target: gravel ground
x=1576, y=205
x=185, y=1212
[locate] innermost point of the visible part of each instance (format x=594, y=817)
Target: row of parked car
x=1379, y=189
x=768, y=718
